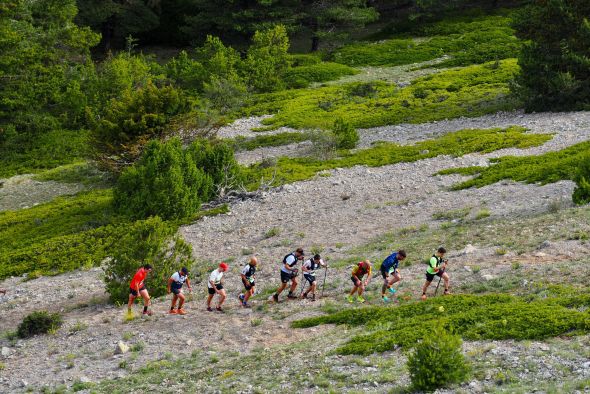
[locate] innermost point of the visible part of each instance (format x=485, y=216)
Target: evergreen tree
x=117, y=19
x=555, y=59
x=45, y=68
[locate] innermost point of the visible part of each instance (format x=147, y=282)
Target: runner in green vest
x=436, y=267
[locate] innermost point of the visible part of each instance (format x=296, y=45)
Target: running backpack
x=285, y=259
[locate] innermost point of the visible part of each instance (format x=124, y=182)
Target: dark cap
x=184, y=270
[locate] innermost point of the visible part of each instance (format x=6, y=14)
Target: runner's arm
x=170, y=280
x=188, y=284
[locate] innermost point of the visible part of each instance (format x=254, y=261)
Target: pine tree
x=555, y=59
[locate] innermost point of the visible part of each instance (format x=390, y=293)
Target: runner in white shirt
x=175, y=283
x=215, y=286
x=309, y=271
x=289, y=273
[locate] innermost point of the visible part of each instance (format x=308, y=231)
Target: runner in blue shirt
x=390, y=273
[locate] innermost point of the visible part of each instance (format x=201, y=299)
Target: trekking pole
x=439, y=279
x=302, y=283
x=324, y=282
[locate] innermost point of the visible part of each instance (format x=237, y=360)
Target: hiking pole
x=302, y=283
x=439, y=279
x=324, y=282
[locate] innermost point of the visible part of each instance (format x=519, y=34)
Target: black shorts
x=430, y=277
x=248, y=285
x=176, y=291
x=310, y=278
x=218, y=287
x=285, y=277
x=354, y=279
x=134, y=292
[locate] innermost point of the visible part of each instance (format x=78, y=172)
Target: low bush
x=151, y=241
x=131, y=120
x=465, y=40
x=303, y=76
x=582, y=192
x=40, y=322
x=458, y=143
x=165, y=182
x=437, y=361
x=346, y=136
x=261, y=141
x=470, y=91
x=546, y=168
x=26, y=153
x=492, y=316
x=172, y=182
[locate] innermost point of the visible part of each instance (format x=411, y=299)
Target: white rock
x=469, y=249
x=121, y=348
x=5, y=351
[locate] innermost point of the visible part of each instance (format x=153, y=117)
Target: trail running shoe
x=181, y=312
x=360, y=299
x=172, y=312
x=218, y=309
x=385, y=299
x=291, y=296
x=246, y=305
x=423, y=298
x=275, y=297
x=304, y=295
x=392, y=290
x=350, y=299
x=241, y=297
x=209, y=309
x=446, y=292
x=148, y=313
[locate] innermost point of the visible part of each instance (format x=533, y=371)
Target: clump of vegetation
x=149, y=242
x=470, y=91
x=261, y=141
x=437, y=361
x=172, y=182
x=554, y=57
x=466, y=40
x=546, y=168
x=346, y=135
x=460, y=142
x=493, y=316
x=582, y=192
x=131, y=120
x=303, y=76
x=40, y=322
x=164, y=182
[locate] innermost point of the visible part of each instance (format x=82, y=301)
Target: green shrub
x=466, y=40
x=582, y=192
x=224, y=94
x=267, y=60
x=437, y=361
x=165, y=182
x=492, y=316
x=546, y=168
x=133, y=119
x=303, y=76
x=152, y=242
x=470, y=91
x=346, y=136
x=216, y=159
x=40, y=322
x=554, y=58
x=243, y=143
x=25, y=153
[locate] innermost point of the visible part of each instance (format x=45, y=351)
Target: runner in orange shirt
x=137, y=288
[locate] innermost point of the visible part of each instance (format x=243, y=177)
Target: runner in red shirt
x=137, y=288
